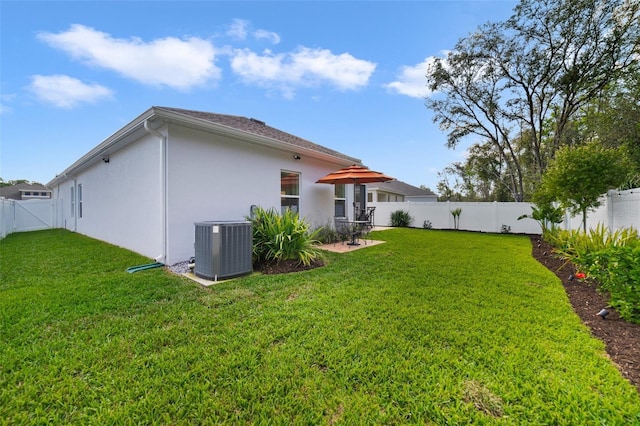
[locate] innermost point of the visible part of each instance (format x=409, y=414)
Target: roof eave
x=111, y=144
x=206, y=125
x=124, y=135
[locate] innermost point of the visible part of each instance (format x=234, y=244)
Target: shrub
x=427, y=224
x=279, y=237
x=612, y=259
x=546, y=214
x=576, y=245
x=327, y=234
x=617, y=270
x=401, y=218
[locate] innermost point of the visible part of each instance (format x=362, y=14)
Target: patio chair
x=364, y=228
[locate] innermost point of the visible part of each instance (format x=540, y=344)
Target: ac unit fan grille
x=223, y=249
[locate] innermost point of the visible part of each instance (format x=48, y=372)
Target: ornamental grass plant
x=431, y=327
x=283, y=236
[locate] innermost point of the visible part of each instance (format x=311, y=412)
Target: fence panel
x=6, y=217
x=619, y=209
x=29, y=215
x=625, y=209
x=483, y=217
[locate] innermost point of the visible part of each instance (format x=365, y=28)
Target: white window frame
x=340, y=199
x=289, y=197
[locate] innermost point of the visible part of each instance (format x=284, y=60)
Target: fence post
x=610, y=213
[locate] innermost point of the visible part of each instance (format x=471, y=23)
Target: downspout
x=163, y=189
x=64, y=223
x=75, y=204
x=75, y=201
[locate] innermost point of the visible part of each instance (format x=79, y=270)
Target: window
x=80, y=200
x=289, y=191
x=73, y=202
x=340, y=197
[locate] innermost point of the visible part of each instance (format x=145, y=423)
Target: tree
x=614, y=119
x=451, y=191
x=4, y=183
x=481, y=177
x=530, y=75
x=578, y=176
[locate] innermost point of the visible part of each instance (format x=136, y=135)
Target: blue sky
x=346, y=75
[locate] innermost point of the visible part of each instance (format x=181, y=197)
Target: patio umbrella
x=354, y=174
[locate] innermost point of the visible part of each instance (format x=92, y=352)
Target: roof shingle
x=257, y=127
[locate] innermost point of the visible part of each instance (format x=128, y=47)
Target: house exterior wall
x=213, y=177
x=120, y=199
x=378, y=196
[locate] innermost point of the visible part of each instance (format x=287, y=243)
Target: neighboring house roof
x=402, y=188
x=14, y=192
x=249, y=129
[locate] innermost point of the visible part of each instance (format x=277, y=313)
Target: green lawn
x=432, y=327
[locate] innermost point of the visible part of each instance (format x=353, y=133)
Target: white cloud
x=304, y=67
x=172, y=62
x=238, y=29
x=67, y=92
x=412, y=80
x=270, y=36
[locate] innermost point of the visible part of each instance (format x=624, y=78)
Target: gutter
x=163, y=188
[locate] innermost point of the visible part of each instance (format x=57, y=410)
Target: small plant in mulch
x=456, y=217
x=283, y=242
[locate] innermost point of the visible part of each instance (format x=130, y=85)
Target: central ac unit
x=223, y=249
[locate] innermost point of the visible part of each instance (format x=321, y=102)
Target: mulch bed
x=622, y=338
x=285, y=267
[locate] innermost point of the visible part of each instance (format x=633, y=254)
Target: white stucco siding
x=63, y=192
x=212, y=177
x=121, y=201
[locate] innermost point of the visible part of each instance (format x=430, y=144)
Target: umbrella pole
x=359, y=202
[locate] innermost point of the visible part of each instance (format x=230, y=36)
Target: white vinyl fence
x=29, y=215
x=620, y=209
